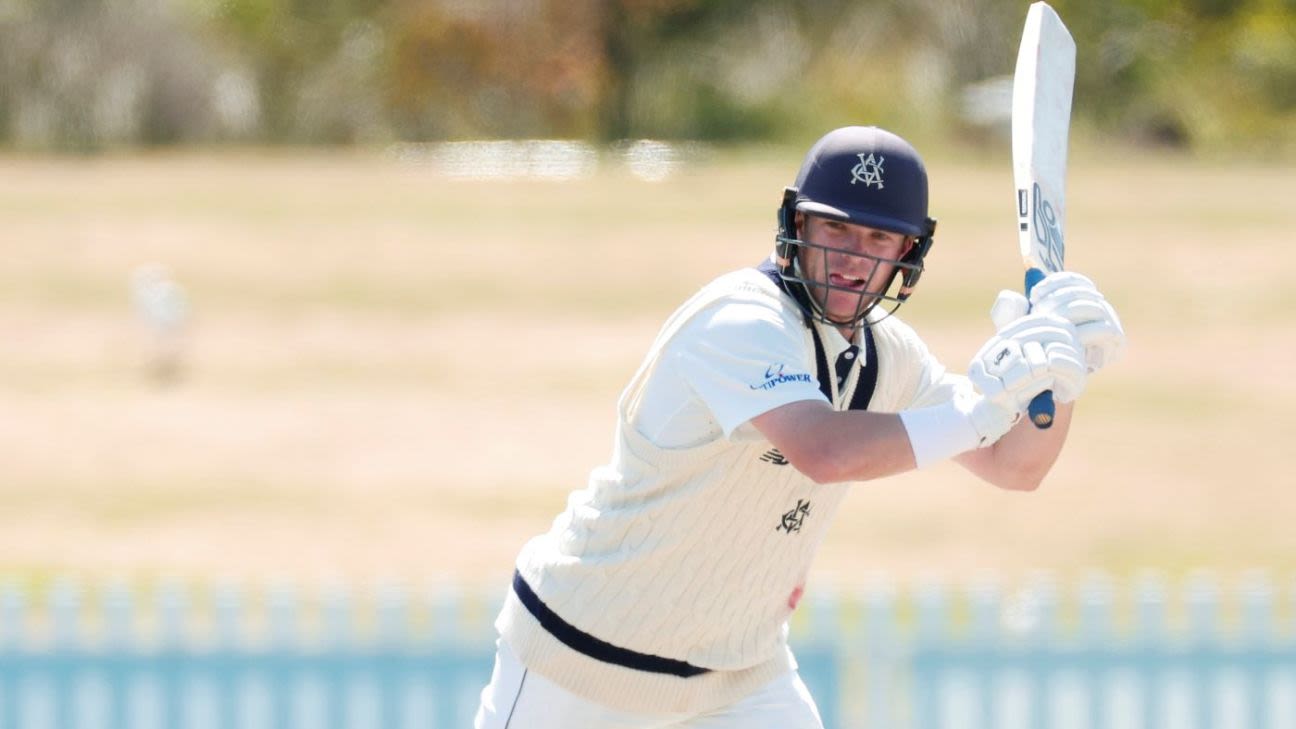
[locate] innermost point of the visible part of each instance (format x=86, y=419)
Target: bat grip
x=1041, y=408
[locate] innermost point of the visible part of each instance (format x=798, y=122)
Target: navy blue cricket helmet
x=862, y=175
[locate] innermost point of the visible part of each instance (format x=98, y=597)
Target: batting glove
x=1033, y=353
x=1008, y=307
x=1075, y=298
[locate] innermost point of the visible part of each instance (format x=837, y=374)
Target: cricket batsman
x=660, y=596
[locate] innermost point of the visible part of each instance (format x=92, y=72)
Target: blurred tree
x=84, y=74
x=500, y=69
x=316, y=64
x=1207, y=73
x=663, y=77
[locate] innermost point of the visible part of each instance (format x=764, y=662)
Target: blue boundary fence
x=1103, y=654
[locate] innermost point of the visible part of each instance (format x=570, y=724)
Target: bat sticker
x=1048, y=233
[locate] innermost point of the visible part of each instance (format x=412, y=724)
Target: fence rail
x=1138, y=654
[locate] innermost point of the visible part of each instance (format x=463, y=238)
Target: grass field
x=392, y=374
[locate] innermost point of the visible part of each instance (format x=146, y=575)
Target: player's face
x=854, y=261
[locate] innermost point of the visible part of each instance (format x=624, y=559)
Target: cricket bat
x=1041, y=119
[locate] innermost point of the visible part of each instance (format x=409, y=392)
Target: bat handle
x=1041, y=408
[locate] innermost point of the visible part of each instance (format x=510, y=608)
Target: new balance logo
x=773, y=456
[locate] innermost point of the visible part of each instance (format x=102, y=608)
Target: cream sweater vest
x=680, y=553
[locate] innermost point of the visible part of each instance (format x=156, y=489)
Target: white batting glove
x=1027, y=356
x=1008, y=307
x=990, y=419
x=1032, y=354
x=1075, y=298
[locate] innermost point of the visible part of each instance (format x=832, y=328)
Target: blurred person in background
x=660, y=597
x=162, y=308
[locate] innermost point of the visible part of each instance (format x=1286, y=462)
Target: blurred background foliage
x=92, y=75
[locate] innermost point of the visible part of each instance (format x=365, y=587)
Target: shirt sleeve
x=743, y=359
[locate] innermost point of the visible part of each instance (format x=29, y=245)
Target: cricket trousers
x=517, y=698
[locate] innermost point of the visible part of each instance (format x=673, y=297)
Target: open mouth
x=846, y=282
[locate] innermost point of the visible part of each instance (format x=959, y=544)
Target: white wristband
x=939, y=432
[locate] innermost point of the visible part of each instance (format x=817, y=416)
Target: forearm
x=833, y=446
x=1021, y=459
x=830, y=446
x=863, y=446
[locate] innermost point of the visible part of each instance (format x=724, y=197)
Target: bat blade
x=1041, y=121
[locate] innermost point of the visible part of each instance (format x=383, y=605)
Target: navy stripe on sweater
x=584, y=643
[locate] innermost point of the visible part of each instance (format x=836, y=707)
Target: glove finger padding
x=1076, y=299
x=1066, y=364
x=1103, y=343
x=1008, y=307
x=1032, y=354
x=1051, y=284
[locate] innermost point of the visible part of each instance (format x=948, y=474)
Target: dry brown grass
x=395, y=374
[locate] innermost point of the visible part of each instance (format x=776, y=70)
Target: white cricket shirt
x=690, y=548
x=730, y=363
